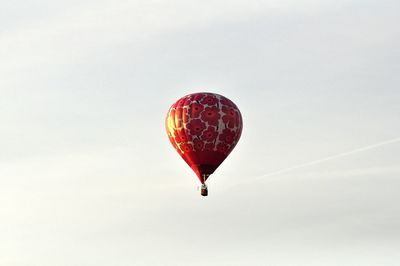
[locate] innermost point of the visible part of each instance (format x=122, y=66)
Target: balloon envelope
x=204, y=128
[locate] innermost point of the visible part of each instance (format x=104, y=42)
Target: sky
x=88, y=176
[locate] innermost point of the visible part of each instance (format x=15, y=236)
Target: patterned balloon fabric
x=204, y=128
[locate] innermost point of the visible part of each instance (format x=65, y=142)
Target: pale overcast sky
x=88, y=176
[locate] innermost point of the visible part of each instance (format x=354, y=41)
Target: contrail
x=343, y=154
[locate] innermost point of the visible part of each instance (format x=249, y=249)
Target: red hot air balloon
x=204, y=128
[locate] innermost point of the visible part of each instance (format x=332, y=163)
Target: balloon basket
x=204, y=190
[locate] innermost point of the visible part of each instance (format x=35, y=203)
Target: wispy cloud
x=330, y=158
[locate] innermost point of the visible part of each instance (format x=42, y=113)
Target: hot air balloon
x=204, y=128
